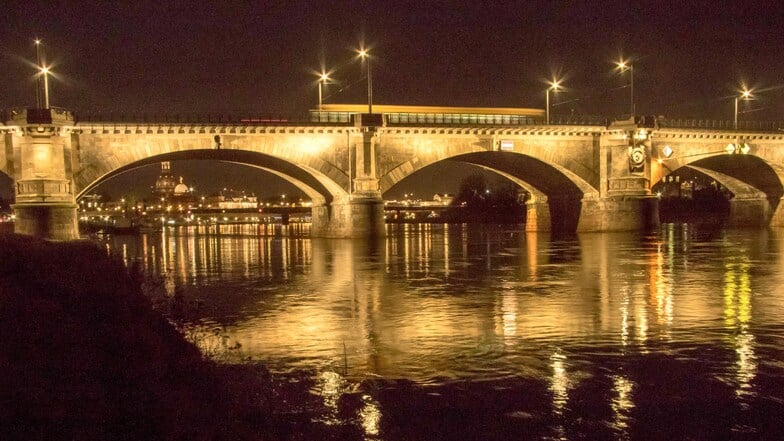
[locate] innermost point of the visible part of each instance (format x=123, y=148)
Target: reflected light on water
x=484, y=304
x=330, y=387
x=622, y=404
x=370, y=416
x=559, y=385
x=737, y=315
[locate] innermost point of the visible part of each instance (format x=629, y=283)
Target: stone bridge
x=592, y=177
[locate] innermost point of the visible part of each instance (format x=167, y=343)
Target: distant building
x=165, y=184
x=230, y=199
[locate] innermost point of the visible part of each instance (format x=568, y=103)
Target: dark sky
x=259, y=57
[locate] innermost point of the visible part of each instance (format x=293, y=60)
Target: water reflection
x=737, y=318
x=450, y=300
x=622, y=405
x=436, y=304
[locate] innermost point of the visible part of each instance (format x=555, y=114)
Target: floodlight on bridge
x=555, y=86
x=623, y=66
x=364, y=55
x=45, y=71
x=745, y=95
x=323, y=78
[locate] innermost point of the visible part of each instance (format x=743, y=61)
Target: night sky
x=261, y=57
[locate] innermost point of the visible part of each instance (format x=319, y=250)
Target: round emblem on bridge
x=637, y=157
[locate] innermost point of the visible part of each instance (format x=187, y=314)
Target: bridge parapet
x=757, y=126
x=44, y=190
x=25, y=115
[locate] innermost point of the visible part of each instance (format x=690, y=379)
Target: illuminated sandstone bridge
x=582, y=175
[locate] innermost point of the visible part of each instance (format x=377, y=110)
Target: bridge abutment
x=777, y=215
x=45, y=204
x=752, y=213
x=48, y=221
x=537, y=217
x=619, y=214
x=360, y=217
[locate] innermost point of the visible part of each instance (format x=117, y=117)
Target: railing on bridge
x=676, y=123
x=47, y=116
x=206, y=118
x=459, y=119
x=31, y=115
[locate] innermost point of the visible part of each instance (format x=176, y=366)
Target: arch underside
x=745, y=176
x=547, y=181
x=560, y=189
x=322, y=190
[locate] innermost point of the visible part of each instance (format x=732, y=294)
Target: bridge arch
x=756, y=184
x=321, y=189
x=557, y=193
x=552, y=180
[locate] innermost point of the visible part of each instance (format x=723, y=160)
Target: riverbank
x=84, y=356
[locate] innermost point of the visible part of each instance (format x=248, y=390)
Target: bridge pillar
x=537, y=216
x=361, y=215
x=619, y=214
x=45, y=205
x=750, y=213
x=624, y=201
x=777, y=216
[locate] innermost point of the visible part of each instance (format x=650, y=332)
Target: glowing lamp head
x=324, y=77
x=745, y=94
x=45, y=70
x=555, y=86
x=363, y=53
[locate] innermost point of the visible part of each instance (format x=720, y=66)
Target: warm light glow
x=623, y=65
x=363, y=53
x=745, y=94
x=45, y=70
x=324, y=77
x=555, y=86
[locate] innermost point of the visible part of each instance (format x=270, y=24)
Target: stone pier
x=355, y=218
x=751, y=213
x=537, y=217
x=45, y=203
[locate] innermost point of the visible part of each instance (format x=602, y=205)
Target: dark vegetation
x=706, y=205
x=83, y=356
x=478, y=202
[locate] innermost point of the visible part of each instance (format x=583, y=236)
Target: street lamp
x=745, y=95
x=45, y=71
x=365, y=56
x=555, y=87
x=38, y=80
x=322, y=80
x=623, y=66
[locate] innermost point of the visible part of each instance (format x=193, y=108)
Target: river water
x=487, y=332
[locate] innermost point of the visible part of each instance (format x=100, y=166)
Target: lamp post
x=45, y=71
x=38, y=80
x=745, y=95
x=322, y=80
x=365, y=56
x=554, y=87
x=623, y=66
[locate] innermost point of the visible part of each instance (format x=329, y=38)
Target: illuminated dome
x=164, y=185
x=181, y=188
